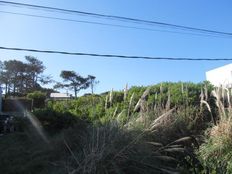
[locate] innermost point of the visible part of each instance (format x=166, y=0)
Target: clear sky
x=47, y=34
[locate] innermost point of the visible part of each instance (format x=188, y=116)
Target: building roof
x=228, y=66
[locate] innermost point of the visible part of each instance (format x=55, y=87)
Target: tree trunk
x=75, y=91
x=91, y=88
x=14, y=88
x=6, y=88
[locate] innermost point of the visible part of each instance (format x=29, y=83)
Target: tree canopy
x=20, y=77
x=74, y=81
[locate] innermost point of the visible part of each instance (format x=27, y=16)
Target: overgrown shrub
x=38, y=99
x=110, y=104
x=103, y=149
x=53, y=121
x=148, y=130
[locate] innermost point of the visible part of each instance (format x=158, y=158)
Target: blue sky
x=47, y=34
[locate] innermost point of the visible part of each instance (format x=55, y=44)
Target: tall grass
x=111, y=149
x=216, y=152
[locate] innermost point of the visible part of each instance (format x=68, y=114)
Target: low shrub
x=53, y=121
x=103, y=149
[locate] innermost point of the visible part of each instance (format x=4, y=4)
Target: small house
x=60, y=96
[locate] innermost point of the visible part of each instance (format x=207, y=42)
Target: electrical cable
x=121, y=18
x=115, y=55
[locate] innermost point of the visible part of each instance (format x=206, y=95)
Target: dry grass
x=163, y=120
x=224, y=127
x=216, y=151
x=130, y=105
x=110, y=149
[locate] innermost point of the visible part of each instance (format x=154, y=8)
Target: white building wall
x=59, y=95
x=220, y=76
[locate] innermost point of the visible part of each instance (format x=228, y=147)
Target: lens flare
x=37, y=125
x=34, y=121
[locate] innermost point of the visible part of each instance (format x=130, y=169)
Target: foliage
x=88, y=107
x=216, y=152
x=38, y=99
x=75, y=81
x=54, y=122
x=20, y=78
x=36, y=95
x=92, y=82
x=152, y=129
x=111, y=149
x=103, y=149
x=111, y=104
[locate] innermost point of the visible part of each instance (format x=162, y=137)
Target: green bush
x=53, y=121
x=95, y=107
x=38, y=99
x=86, y=107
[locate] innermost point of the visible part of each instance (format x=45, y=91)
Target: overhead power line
x=111, y=25
x=114, y=17
x=115, y=55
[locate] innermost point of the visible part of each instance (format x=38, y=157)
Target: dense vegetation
x=165, y=128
